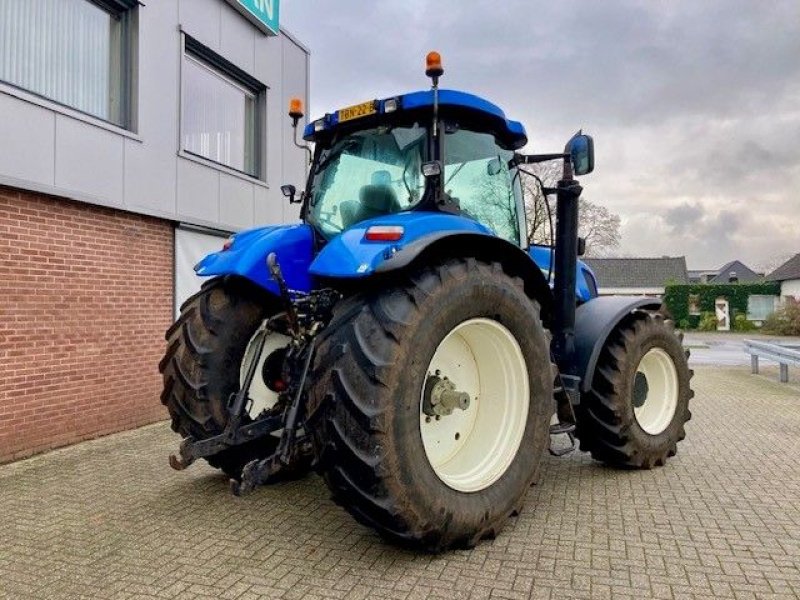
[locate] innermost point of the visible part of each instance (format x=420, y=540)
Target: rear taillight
x=384, y=233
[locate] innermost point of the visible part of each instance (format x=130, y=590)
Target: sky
x=694, y=106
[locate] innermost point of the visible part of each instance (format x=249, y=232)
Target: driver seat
x=376, y=199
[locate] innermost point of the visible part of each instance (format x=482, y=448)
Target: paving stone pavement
x=109, y=519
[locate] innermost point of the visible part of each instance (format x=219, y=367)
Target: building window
x=760, y=307
x=222, y=108
x=78, y=53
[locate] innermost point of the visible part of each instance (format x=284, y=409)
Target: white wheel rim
x=262, y=397
x=471, y=449
x=660, y=401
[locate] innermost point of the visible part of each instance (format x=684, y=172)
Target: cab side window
x=478, y=179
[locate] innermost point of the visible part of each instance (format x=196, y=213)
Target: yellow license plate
x=356, y=112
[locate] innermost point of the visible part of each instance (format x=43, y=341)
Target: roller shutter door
x=192, y=244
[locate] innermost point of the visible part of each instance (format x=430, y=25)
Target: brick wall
x=85, y=298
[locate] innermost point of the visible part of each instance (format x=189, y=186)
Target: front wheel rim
x=472, y=448
x=656, y=408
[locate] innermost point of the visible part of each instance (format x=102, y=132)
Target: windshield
x=366, y=174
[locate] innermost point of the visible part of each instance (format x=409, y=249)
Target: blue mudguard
x=351, y=256
x=585, y=281
x=247, y=256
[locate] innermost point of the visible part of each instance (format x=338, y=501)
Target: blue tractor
x=406, y=342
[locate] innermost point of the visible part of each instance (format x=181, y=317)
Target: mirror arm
x=302, y=146
x=530, y=159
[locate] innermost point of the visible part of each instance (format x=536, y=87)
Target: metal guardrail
x=783, y=355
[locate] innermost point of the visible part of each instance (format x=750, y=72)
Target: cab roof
x=471, y=110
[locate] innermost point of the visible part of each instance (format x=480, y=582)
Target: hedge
x=676, y=298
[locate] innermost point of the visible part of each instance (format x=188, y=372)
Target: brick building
x=133, y=138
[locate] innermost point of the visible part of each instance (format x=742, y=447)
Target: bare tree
x=537, y=208
x=599, y=227
x=768, y=265
x=596, y=224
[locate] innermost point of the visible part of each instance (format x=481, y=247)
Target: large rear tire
x=638, y=406
x=202, y=367
x=421, y=481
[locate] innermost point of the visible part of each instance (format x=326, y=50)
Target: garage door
x=190, y=246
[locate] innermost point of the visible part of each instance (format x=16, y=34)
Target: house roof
x=638, y=272
x=788, y=270
x=743, y=273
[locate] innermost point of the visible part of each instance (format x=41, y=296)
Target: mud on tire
x=370, y=369
x=608, y=426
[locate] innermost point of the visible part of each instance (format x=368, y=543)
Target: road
x=110, y=519
x=725, y=349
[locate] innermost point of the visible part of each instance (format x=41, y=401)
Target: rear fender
x=594, y=322
x=351, y=256
x=428, y=238
x=247, y=256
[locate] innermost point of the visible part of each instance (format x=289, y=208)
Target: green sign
x=264, y=14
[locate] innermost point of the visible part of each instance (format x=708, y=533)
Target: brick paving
x=109, y=519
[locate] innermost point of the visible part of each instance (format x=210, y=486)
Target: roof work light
x=296, y=109
x=433, y=64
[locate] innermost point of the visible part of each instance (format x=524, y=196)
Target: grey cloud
x=692, y=104
x=684, y=217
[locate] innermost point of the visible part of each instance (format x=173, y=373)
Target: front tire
x=635, y=413
x=420, y=481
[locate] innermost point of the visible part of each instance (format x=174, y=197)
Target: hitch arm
x=277, y=275
x=257, y=472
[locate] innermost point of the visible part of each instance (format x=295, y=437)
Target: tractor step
x=561, y=428
x=564, y=395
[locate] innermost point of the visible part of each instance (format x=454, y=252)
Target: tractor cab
x=435, y=150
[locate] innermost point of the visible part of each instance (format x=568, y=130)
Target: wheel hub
x=440, y=396
x=640, y=389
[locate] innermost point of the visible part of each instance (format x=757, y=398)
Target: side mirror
x=581, y=151
x=494, y=167
x=289, y=191
x=581, y=246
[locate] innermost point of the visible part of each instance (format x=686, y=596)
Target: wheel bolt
x=427, y=419
x=438, y=417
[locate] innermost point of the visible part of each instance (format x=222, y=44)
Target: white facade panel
x=238, y=39
x=198, y=192
x=235, y=202
x=150, y=162
x=791, y=287
x=269, y=207
x=28, y=138
x=295, y=60
x=89, y=160
x=60, y=151
x=201, y=20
